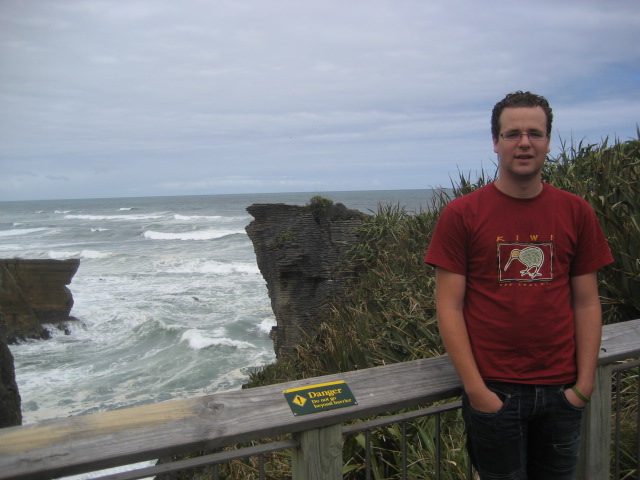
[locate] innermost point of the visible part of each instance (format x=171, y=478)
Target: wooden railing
x=79, y=444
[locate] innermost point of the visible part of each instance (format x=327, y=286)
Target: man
x=518, y=306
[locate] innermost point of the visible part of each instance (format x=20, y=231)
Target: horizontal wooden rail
x=92, y=442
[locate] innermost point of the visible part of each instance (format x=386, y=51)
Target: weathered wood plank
x=83, y=443
x=90, y=442
x=593, y=463
x=319, y=455
x=620, y=341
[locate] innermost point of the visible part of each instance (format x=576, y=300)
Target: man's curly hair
x=519, y=99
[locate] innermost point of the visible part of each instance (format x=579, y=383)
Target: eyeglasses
x=514, y=136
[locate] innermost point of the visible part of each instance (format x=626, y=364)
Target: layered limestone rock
x=10, y=412
x=299, y=250
x=34, y=292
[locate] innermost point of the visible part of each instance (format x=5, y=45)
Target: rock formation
x=33, y=292
x=298, y=250
x=10, y=412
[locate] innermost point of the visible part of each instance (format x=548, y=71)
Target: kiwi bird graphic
x=530, y=257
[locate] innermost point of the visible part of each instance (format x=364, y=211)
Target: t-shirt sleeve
x=448, y=248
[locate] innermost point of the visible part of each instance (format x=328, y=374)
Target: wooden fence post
x=319, y=455
x=595, y=446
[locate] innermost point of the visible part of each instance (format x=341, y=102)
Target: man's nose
x=524, y=140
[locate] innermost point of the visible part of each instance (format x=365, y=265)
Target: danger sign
x=318, y=398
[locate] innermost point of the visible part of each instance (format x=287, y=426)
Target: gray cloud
x=220, y=97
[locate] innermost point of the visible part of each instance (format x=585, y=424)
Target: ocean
x=168, y=295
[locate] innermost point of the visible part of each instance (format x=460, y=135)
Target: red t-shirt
x=518, y=256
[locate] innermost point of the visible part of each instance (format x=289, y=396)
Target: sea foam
x=22, y=231
x=210, y=218
x=216, y=268
x=134, y=217
x=86, y=254
x=267, y=324
x=198, y=341
x=191, y=235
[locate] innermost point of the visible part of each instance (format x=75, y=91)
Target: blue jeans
x=534, y=436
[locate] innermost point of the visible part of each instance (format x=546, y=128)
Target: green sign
x=318, y=398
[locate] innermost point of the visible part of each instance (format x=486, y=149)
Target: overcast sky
x=117, y=98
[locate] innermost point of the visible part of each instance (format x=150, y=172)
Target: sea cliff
x=34, y=292
x=298, y=251
x=10, y=411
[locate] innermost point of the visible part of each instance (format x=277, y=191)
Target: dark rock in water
x=33, y=292
x=10, y=411
x=299, y=251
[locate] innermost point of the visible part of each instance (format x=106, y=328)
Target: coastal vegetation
x=319, y=206
x=284, y=238
x=389, y=315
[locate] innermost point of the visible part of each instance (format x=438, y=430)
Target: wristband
x=580, y=395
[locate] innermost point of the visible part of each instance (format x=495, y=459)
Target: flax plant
x=425, y=455
x=608, y=177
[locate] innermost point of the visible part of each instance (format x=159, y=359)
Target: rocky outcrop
x=298, y=250
x=34, y=292
x=10, y=412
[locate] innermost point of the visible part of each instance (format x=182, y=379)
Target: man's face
x=522, y=158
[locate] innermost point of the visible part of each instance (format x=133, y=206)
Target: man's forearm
x=588, y=334
x=455, y=337
x=587, y=313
